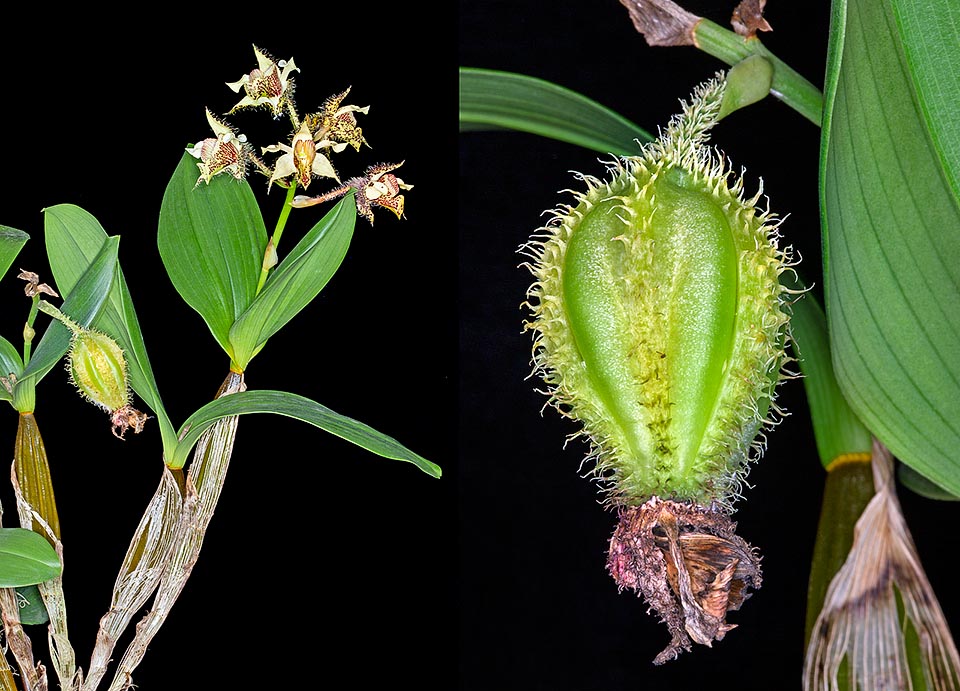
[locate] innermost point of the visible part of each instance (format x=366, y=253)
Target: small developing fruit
x=98, y=369
x=660, y=325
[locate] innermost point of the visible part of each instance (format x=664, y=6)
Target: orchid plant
x=213, y=242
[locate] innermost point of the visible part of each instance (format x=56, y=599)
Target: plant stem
x=201, y=491
x=37, y=510
x=848, y=489
x=788, y=85
x=33, y=477
x=7, y=682
x=33, y=676
x=28, y=332
x=143, y=566
x=268, y=262
x=47, y=308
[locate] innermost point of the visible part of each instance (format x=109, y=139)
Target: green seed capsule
x=660, y=325
x=99, y=370
x=659, y=318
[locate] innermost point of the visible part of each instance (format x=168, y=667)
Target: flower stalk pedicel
x=660, y=324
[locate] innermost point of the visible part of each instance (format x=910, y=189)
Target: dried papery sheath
x=881, y=626
x=660, y=325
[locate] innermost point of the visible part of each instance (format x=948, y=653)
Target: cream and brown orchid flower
x=337, y=124
x=228, y=152
x=377, y=187
x=270, y=84
x=301, y=159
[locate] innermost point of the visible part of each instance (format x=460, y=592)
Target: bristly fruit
x=98, y=369
x=660, y=325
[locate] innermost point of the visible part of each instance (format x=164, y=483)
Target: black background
x=322, y=561
x=325, y=565
x=538, y=610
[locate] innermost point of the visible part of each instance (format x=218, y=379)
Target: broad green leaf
x=11, y=242
x=10, y=363
x=82, y=304
x=32, y=611
x=296, y=281
x=889, y=200
x=73, y=238
x=300, y=408
x=26, y=558
x=837, y=429
x=212, y=241
x=492, y=99
x=918, y=484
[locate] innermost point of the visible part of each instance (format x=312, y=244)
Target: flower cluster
x=306, y=155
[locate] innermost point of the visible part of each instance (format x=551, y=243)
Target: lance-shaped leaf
x=74, y=238
x=82, y=304
x=26, y=558
x=10, y=363
x=296, y=281
x=212, y=241
x=32, y=610
x=300, y=408
x=11, y=242
x=890, y=197
x=836, y=428
x=493, y=100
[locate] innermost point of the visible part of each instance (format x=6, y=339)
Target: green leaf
x=32, y=610
x=296, y=281
x=212, y=241
x=10, y=363
x=26, y=558
x=836, y=427
x=492, y=99
x=82, y=304
x=73, y=238
x=11, y=242
x=890, y=161
x=918, y=484
x=300, y=408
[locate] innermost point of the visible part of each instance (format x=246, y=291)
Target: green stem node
x=787, y=84
x=270, y=256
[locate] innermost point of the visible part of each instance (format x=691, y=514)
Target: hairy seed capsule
x=660, y=324
x=98, y=369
